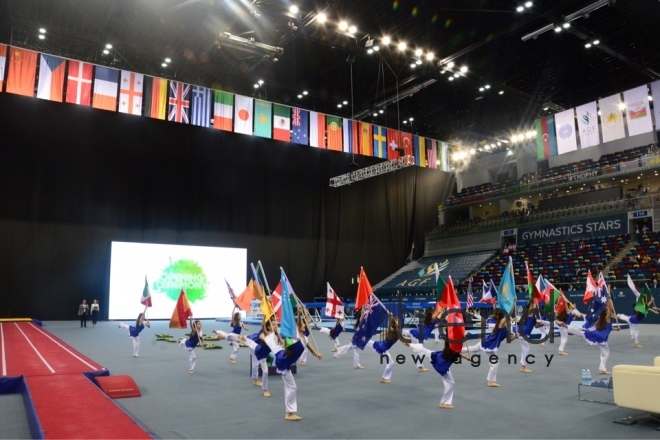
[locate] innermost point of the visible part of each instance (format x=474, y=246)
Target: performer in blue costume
x=490, y=345
x=134, y=332
x=442, y=362
x=237, y=325
x=390, y=336
x=598, y=335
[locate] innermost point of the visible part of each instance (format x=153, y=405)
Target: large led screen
x=200, y=271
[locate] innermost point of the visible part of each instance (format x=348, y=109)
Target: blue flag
x=201, y=106
x=369, y=323
x=506, y=297
x=288, y=324
x=300, y=126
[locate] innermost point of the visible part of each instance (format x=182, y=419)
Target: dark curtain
x=73, y=179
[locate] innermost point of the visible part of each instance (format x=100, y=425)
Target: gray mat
x=337, y=401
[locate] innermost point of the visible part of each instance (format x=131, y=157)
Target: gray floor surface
x=337, y=401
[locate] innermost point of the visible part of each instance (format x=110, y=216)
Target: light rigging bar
x=372, y=171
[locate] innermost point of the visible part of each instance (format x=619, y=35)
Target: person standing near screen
x=83, y=310
x=94, y=309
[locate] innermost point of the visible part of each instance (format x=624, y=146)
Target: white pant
x=524, y=351
x=234, y=352
x=192, y=358
x=563, y=335
x=356, y=354
x=492, y=369
x=389, y=367
x=256, y=363
x=136, y=340
x=290, y=392
x=634, y=328
x=448, y=394
x=336, y=342
x=419, y=362
x=604, y=356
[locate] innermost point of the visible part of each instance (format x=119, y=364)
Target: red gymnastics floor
x=67, y=403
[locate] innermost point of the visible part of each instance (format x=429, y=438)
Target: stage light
x=588, y=45
x=520, y=9
x=343, y=25
x=566, y=25
x=386, y=40
x=293, y=9
x=164, y=64
x=352, y=30
x=304, y=92
x=411, y=119
x=376, y=48
x=487, y=86
x=528, y=4
x=481, y=89
x=557, y=28
x=321, y=18
x=418, y=52
x=300, y=96
x=261, y=81
x=413, y=65
x=596, y=42
x=168, y=60
x=402, y=46
x=375, y=114
x=256, y=86
x=450, y=64
x=338, y=105
x=501, y=92
x=381, y=111
x=451, y=78
x=42, y=30
x=108, y=46
x=464, y=69
x=105, y=51
x=456, y=75
x=429, y=56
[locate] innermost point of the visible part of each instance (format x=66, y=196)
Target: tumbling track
x=67, y=403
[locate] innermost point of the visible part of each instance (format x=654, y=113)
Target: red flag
x=249, y=294
x=561, y=303
x=407, y=143
x=590, y=289
x=22, y=72
x=79, y=83
x=455, y=332
x=181, y=313
x=394, y=148
x=364, y=290
x=334, y=308
x=276, y=299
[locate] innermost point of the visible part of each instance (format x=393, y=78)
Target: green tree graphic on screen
x=186, y=275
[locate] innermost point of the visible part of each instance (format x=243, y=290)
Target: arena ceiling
x=232, y=44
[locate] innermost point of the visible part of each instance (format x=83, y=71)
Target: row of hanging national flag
x=75, y=82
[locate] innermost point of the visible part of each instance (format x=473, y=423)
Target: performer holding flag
x=641, y=308
x=288, y=355
x=334, y=308
x=443, y=360
x=141, y=321
x=368, y=318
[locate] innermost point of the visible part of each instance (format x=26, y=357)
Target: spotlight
x=501, y=92
x=42, y=30
x=338, y=105
x=596, y=42
x=566, y=25
x=164, y=64
x=528, y=4
x=345, y=102
x=451, y=78
x=304, y=92
x=105, y=51
x=381, y=111
x=402, y=46
x=375, y=115
x=168, y=60
x=376, y=48
x=300, y=96
x=411, y=119
x=256, y=86
x=557, y=28
x=588, y=45
x=108, y=46
x=520, y=9
x=481, y=89
x=418, y=52
x=321, y=18
x=429, y=56
x=293, y=9
x=261, y=81
x=343, y=25
x=413, y=65
x=370, y=51
x=487, y=86
x=386, y=40
x=418, y=62
x=450, y=64
x=352, y=30
x=456, y=75
x=464, y=69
